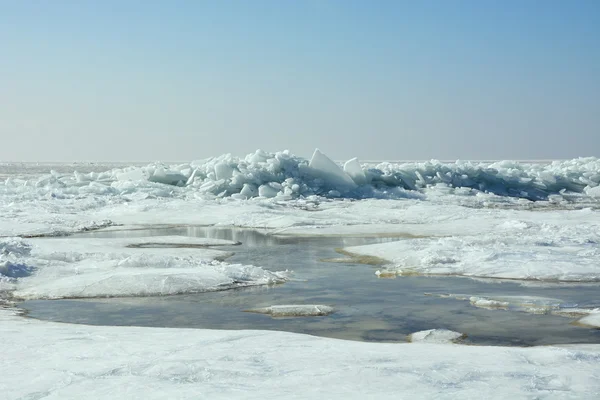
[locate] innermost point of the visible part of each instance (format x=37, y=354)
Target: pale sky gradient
x=181, y=80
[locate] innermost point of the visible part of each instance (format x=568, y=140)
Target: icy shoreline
x=64, y=361
x=470, y=219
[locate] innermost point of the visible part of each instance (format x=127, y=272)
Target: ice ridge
x=284, y=176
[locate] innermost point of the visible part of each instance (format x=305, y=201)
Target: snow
x=295, y=310
x=526, y=221
x=64, y=361
x=133, y=277
x=531, y=250
x=92, y=267
x=436, y=336
x=458, y=218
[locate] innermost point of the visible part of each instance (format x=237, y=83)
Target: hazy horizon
x=133, y=81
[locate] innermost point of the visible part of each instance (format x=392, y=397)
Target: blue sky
x=181, y=80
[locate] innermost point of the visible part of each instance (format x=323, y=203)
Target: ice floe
x=592, y=319
x=547, y=252
x=531, y=304
x=294, y=310
x=436, y=336
x=93, y=267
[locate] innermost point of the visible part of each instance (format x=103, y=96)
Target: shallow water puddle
x=364, y=307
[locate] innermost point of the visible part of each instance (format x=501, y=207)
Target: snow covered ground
x=533, y=222
x=62, y=361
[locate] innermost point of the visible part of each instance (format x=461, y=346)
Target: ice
x=353, y=168
x=294, y=310
x=592, y=320
x=42, y=202
x=160, y=175
x=547, y=251
x=514, y=220
x=436, y=336
x=593, y=191
x=64, y=361
x=59, y=248
x=136, y=174
x=445, y=233
x=323, y=167
x=14, y=246
x=522, y=303
x=11, y=270
x=153, y=266
x=268, y=190
x=226, y=173
x=487, y=303
x=138, y=279
x=223, y=171
x=249, y=191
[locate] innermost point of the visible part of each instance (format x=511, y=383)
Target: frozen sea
x=265, y=276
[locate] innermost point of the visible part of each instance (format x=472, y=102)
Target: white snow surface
x=38, y=201
x=475, y=224
x=91, y=267
x=476, y=219
x=537, y=247
x=64, y=361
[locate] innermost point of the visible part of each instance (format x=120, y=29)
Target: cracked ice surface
x=63, y=361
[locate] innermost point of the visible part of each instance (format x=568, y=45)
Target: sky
x=183, y=80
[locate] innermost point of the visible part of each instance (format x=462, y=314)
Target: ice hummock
x=323, y=167
x=284, y=176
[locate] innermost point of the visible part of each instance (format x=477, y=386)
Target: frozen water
x=592, y=320
x=63, y=361
x=436, y=336
x=526, y=250
x=323, y=167
x=353, y=168
x=294, y=310
x=226, y=175
x=522, y=303
x=67, y=268
x=511, y=220
x=115, y=280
